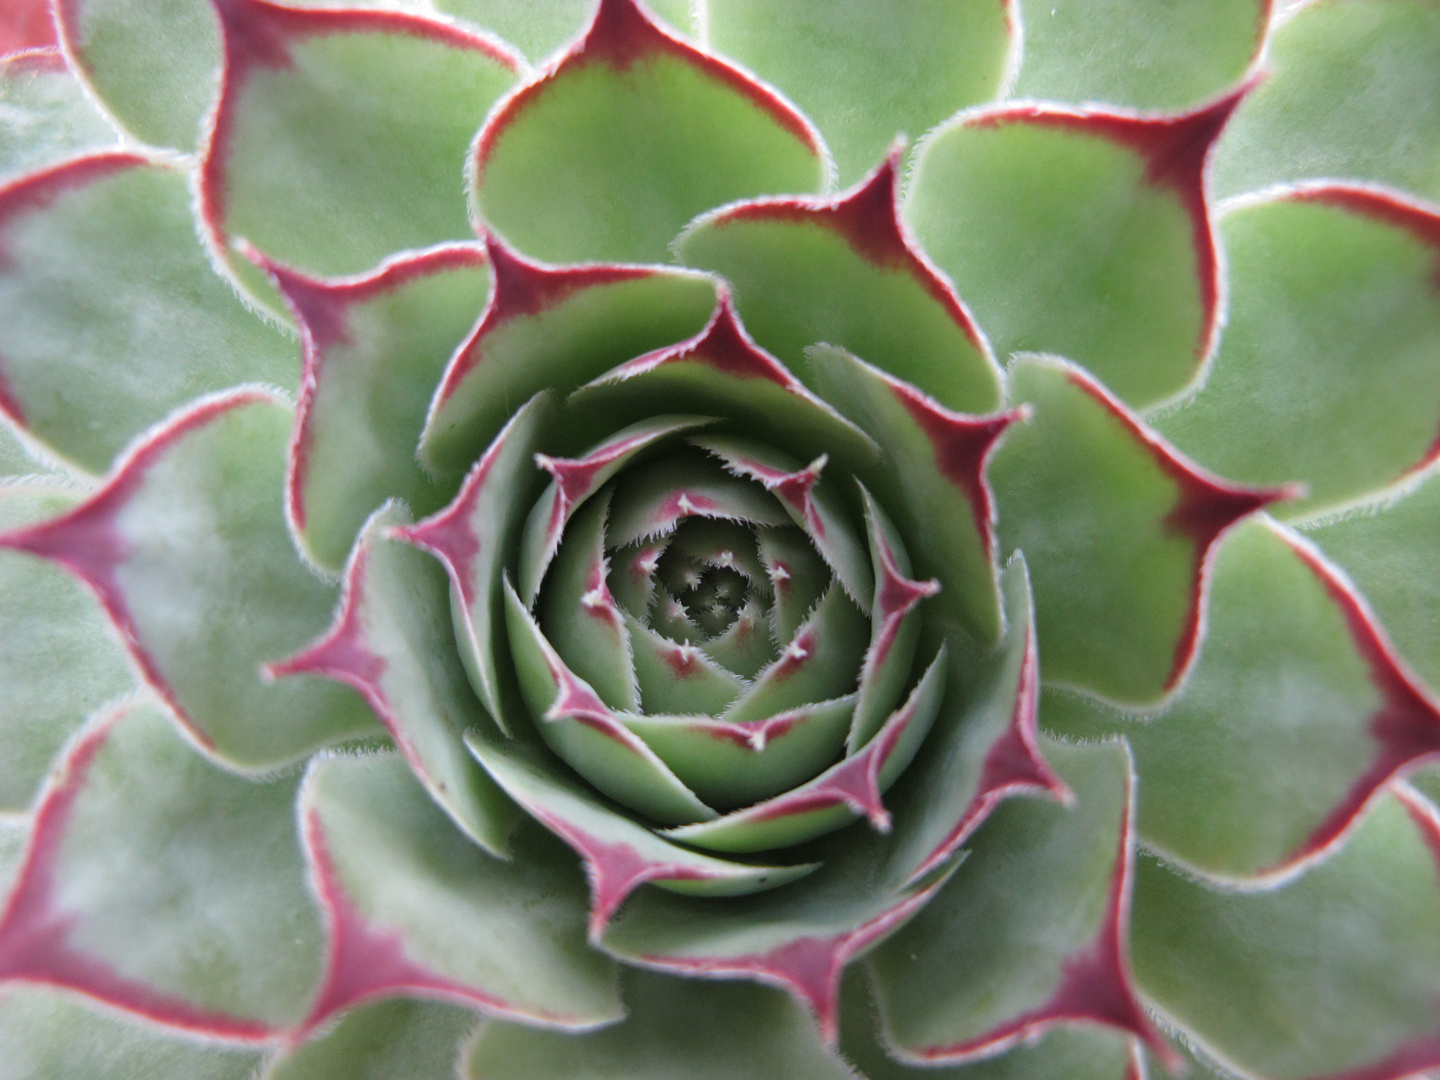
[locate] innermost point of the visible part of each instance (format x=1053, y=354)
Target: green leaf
x=652, y=499
x=894, y=624
x=186, y=547
x=579, y=616
x=721, y=372
x=1116, y=528
x=1354, y=93
x=47, y=117
x=1133, y=52
x=851, y=787
x=676, y=676
x=1294, y=716
x=374, y=347
x=1328, y=369
x=935, y=460
x=822, y=661
x=628, y=138
x=693, y=1028
x=161, y=883
x=985, y=747
x=44, y=1032
x=48, y=625
x=732, y=764
x=1082, y=233
x=154, y=63
x=554, y=328
x=866, y=70
x=620, y=854
x=412, y=905
x=576, y=480
x=576, y=724
x=1387, y=552
x=341, y=136
x=539, y=27
x=110, y=313
x=475, y=536
x=392, y=641
x=1335, y=971
x=1078, y=1052
x=842, y=271
x=800, y=937
x=1049, y=885
x=419, y=1040
x=798, y=574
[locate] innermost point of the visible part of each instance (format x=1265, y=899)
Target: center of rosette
x=706, y=627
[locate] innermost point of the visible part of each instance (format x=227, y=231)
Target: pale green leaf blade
x=374, y=348
x=419, y=1040
x=628, y=136
x=48, y=625
x=1079, y=232
x=692, y=1028
x=1353, y=94
x=47, y=117
x=154, y=63
x=340, y=136
x=186, y=546
x=98, y=339
x=158, y=882
x=1115, y=527
x=1328, y=368
x=1335, y=971
x=1152, y=56
x=867, y=70
x=412, y=905
x=46, y=1033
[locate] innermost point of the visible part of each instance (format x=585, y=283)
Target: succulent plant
x=556, y=538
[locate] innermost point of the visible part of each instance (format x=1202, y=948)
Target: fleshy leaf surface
x=722, y=372
x=1335, y=975
x=553, y=328
x=98, y=338
x=44, y=1033
x=1079, y=1052
x=629, y=135
x=413, y=906
x=1328, y=368
x=155, y=64
x=620, y=854
x=843, y=271
x=1051, y=886
x=474, y=536
x=1081, y=232
x=1117, y=529
x=1353, y=94
x=1387, y=553
x=1131, y=52
x=161, y=884
x=985, y=747
x=936, y=460
x=340, y=136
x=799, y=938
x=693, y=1028
x=865, y=71
x=48, y=624
x=47, y=116
x=419, y=1040
x=392, y=641
x=1295, y=717
x=373, y=348
x=185, y=545
x=539, y=27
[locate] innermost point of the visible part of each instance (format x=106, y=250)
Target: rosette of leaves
x=549, y=539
